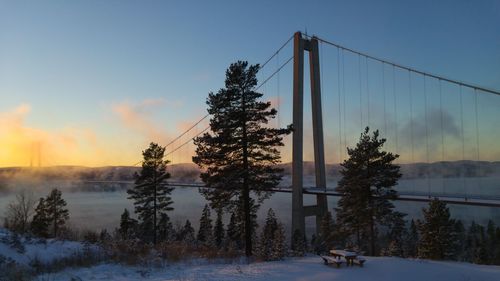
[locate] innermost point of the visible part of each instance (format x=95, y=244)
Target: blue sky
x=84, y=75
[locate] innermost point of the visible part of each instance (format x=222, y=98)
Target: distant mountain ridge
x=190, y=172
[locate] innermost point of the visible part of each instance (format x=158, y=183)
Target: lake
x=98, y=209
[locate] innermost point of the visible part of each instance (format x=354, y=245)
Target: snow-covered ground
x=40, y=249
x=308, y=268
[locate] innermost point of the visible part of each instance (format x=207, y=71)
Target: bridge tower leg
x=299, y=211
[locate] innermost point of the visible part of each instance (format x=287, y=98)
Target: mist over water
x=92, y=208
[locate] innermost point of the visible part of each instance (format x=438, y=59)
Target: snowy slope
x=309, y=268
x=47, y=251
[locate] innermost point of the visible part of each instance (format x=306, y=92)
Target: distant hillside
x=190, y=172
x=418, y=170
x=180, y=172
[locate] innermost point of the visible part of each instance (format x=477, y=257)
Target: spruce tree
x=326, y=239
x=411, y=241
x=278, y=251
x=298, y=243
x=366, y=188
x=205, y=231
x=459, y=236
x=128, y=226
x=219, y=230
x=397, y=234
x=56, y=211
x=232, y=233
x=40, y=222
x=187, y=233
x=491, y=242
x=240, y=154
x=165, y=229
x=267, y=236
x=436, y=232
x=151, y=193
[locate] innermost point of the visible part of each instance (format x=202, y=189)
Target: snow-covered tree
x=397, y=234
x=187, y=233
x=411, y=240
x=219, y=230
x=298, y=243
x=128, y=226
x=165, y=228
x=205, y=233
x=436, y=232
x=232, y=233
x=267, y=236
x=327, y=237
x=279, y=249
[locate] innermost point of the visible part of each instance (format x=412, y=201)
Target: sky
x=94, y=82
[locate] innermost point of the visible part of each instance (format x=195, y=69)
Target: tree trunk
x=372, y=234
x=154, y=206
x=246, y=188
x=55, y=218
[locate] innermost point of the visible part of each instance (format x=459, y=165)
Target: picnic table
x=350, y=257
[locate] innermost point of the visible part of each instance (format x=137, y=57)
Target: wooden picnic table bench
x=332, y=260
x=350, y=257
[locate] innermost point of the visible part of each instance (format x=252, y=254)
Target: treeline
x=436, y=236
x=46, y=218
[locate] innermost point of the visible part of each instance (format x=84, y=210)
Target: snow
x=43, y=250
x=308, y=268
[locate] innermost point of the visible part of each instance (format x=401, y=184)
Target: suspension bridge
x=443, y=129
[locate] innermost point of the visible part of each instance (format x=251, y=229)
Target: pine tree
x=278, y=251
x=396, y=235
x=411, y=241
x=491, y=242
x=165, y=229
x=232, y=233
x=298, y=243
x=219, y=230
x=151, y=193
x=496, y=257
x=327, y=234
x=436, y=232
x=366, y=187
x=56, y=212
x=459, y=236
x=40, y=222
x=267, y=236
x=187, y=233
x=240, y=154
x=127, y=226
x=205, y=231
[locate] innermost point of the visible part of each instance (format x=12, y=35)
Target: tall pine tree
x=56, y=211
x=240, y=154
x=366, y=187
x=151, y=194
